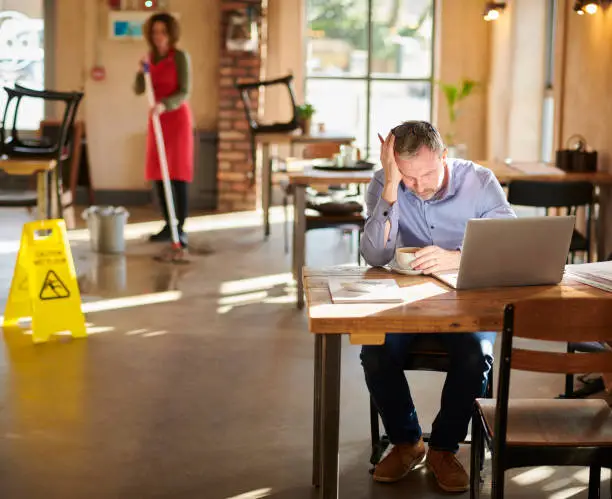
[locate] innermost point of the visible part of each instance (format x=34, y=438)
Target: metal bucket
x=106, y=225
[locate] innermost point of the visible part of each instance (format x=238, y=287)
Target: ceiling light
x=591, y=7
x=493, y=10
x=578, y=7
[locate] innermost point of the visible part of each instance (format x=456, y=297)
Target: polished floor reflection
x=196, y=380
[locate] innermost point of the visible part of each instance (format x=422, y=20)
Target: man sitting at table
x=422, y=198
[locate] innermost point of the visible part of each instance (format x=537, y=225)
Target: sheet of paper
x=598, y=275
x=364, y=290
x=536, y=169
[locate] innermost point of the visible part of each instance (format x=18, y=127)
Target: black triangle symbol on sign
x=53, y=288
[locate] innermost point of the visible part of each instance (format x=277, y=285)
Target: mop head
x=173, y=254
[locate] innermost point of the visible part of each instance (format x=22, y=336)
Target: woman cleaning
x=171, y=75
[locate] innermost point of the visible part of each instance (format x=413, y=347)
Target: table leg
x=266, y=186
x=604, y=236
x=299, y=240
x=42, y=199
x=316, y=427
x=55, y=196
x=330, y=414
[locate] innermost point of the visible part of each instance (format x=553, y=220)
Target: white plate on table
x=395, y=268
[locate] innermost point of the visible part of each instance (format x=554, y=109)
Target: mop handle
x=163, y=160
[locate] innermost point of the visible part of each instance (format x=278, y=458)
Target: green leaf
x=450, y=92
x=306, y=111
x=467, y=87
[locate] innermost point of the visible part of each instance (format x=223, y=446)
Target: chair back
x=320, y=150
x=45, y=148
x=245, y=90
x=567, y=320
x=550, y=194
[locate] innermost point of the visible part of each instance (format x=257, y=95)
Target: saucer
x=399, y=270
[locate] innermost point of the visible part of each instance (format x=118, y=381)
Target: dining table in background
x=428, y=306
x=300, y=181
x=46, y=182
x=291, y=139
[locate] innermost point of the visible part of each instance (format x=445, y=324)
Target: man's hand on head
x=393, y=176
x=435, y=259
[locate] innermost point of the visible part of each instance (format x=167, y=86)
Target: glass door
x=22, y=55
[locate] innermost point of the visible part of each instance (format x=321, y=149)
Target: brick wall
x=236, y=192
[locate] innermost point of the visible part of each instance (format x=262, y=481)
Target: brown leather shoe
x=449, y=472
x=399, y=462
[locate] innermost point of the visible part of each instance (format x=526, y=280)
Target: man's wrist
x=389, y=193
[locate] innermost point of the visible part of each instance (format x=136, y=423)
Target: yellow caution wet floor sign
x=44, y=283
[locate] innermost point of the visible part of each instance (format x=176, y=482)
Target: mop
x=176, y=253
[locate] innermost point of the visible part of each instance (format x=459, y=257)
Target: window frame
x=368, y=78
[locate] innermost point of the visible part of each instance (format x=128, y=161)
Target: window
x=22, y=56
x=369, y=65
x=548, y=109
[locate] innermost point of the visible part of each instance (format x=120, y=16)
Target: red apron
x=176, y=126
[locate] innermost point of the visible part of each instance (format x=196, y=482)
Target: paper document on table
x=364, y=290
x=598, y=275
x=536, y=169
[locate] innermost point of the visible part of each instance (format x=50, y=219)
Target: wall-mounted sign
x=127, y=24
x=242, y=33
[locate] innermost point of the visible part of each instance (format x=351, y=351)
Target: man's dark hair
x=410, y=136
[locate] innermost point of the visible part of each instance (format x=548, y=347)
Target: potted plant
x=455, y=94
x=305, y=113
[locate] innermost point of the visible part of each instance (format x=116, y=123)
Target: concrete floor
x=196, y=381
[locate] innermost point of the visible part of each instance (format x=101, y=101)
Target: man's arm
x=493, y=202
x=380, y=231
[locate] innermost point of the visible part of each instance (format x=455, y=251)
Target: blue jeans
x=471, y=359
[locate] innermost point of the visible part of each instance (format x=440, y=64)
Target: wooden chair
x=545, y=432
x=76, y=170
x=255, y=127
x=320, y=150
x=426, y=353
x=350, y=223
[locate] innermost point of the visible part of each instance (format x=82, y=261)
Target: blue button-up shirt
x=472, y=191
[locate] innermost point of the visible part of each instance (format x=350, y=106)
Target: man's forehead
x=417, y=163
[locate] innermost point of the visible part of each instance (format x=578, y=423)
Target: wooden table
x=300, y=181
x=292, y=139
x=46, y=179
x=429, y=307
x=507, y=172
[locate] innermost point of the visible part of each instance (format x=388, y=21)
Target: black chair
x=257, y=128
x=544, y=432
x=426, y=353
x=43, y=148
x=568, y=195
x=589, y=386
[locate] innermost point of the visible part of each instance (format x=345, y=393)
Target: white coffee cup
x=405, y=256
x=349, y=153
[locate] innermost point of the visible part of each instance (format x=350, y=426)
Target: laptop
x=526, y=251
